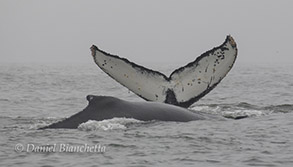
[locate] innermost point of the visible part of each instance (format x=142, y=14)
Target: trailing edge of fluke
x=183, y=87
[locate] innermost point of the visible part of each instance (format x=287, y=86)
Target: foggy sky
x=144, y=31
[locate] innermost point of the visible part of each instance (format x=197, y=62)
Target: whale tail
x=183, y=87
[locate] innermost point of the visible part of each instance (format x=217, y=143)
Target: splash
x=109, y=124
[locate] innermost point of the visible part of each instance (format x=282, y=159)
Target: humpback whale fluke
x=183, y=87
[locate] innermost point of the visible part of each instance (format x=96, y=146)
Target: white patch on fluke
x=183, y=87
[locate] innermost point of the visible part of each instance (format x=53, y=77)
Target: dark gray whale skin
x=107, y=107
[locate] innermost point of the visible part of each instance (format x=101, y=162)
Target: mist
x=34, y=31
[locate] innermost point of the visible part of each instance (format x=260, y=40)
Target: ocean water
x=36, y=95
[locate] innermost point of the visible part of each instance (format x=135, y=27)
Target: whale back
x=145, y=111
x=106, y=107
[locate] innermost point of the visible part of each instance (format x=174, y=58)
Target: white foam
x=207, y=109
x=238, y=113
x=231, y=112
x=109, y=124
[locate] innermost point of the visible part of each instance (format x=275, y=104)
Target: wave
x=283, y=108
x=4, y=99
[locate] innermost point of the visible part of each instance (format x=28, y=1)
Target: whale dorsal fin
x=183, y=87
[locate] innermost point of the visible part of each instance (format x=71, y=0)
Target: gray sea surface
x=36, y=95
